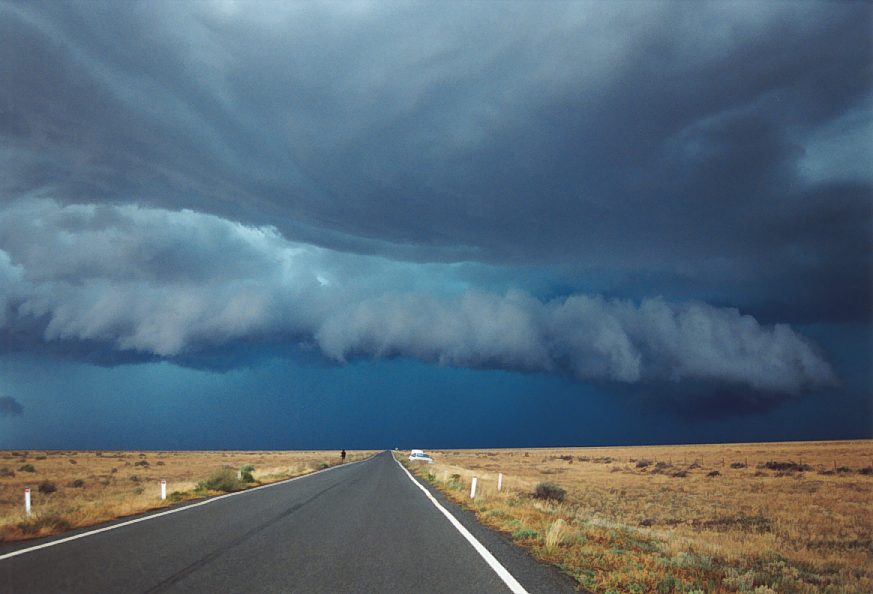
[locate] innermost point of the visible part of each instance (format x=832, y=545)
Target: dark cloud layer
x=721, y=151
x=10, y=407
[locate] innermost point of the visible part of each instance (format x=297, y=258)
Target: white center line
x=501, y=571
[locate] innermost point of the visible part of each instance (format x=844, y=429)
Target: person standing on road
x=343, y=457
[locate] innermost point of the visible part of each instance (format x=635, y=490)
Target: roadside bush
x=71, y=461
x=26, y=468
x=549, y=491
x=46, y=487
x=713, y=473
x=221, y=480
x=36, y=523
x=6, y=472
x=786, y=466
x=77, y=484
x=738, y=465
x=245, y=473
x=524, y=534
x=643, y=463
x=176, y=496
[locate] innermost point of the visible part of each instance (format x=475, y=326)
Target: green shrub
x=176, y=496
x=549, y=491
x=245, y=473
x=221, y=480
x=524, y=534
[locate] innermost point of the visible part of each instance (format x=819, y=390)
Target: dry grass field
x=749, y=518
x=72, y=489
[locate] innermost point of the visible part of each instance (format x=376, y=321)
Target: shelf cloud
x=164, y=284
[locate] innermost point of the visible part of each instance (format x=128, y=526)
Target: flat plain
x=71, y=489
x=750, y=518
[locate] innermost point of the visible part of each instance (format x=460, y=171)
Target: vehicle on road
x=419, y=456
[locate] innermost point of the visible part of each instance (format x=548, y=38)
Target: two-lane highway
x=363, y=527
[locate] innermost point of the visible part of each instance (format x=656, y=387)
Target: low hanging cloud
x=10, y=407
x=167, y=284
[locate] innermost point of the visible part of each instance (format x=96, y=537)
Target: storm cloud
x=720, y=152
x=658, y=200
x=171, y=283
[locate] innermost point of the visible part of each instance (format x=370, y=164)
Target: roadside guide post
x=27, y=501
x=163, y=490
x=473, y=489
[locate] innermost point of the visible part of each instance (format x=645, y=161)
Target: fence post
x=27, y=501
x=499, y=481
x=473, y=489
x=163, y=490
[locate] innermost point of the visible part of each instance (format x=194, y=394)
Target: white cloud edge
x=166, y=283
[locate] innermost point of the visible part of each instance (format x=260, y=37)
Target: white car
x=419, y=456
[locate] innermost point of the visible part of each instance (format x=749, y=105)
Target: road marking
x=170, y=511
x=501, y=571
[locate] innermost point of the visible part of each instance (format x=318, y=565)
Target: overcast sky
x=370, y=223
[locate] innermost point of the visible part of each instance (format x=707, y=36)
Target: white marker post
x=499, y=481
x=27, y=501
x=163, y=490
x=473, y=489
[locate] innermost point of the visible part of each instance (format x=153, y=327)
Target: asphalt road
x=363, y=527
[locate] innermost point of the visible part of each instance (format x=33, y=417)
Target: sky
x=234, y=225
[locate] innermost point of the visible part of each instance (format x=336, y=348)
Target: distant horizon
x=437, y=449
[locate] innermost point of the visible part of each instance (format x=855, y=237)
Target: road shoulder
x=532, y=574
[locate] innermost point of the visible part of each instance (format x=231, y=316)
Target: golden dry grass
x=658, y=519
x=93, y=487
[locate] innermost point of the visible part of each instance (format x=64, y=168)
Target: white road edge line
x=171, y=511
x=501, y=571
